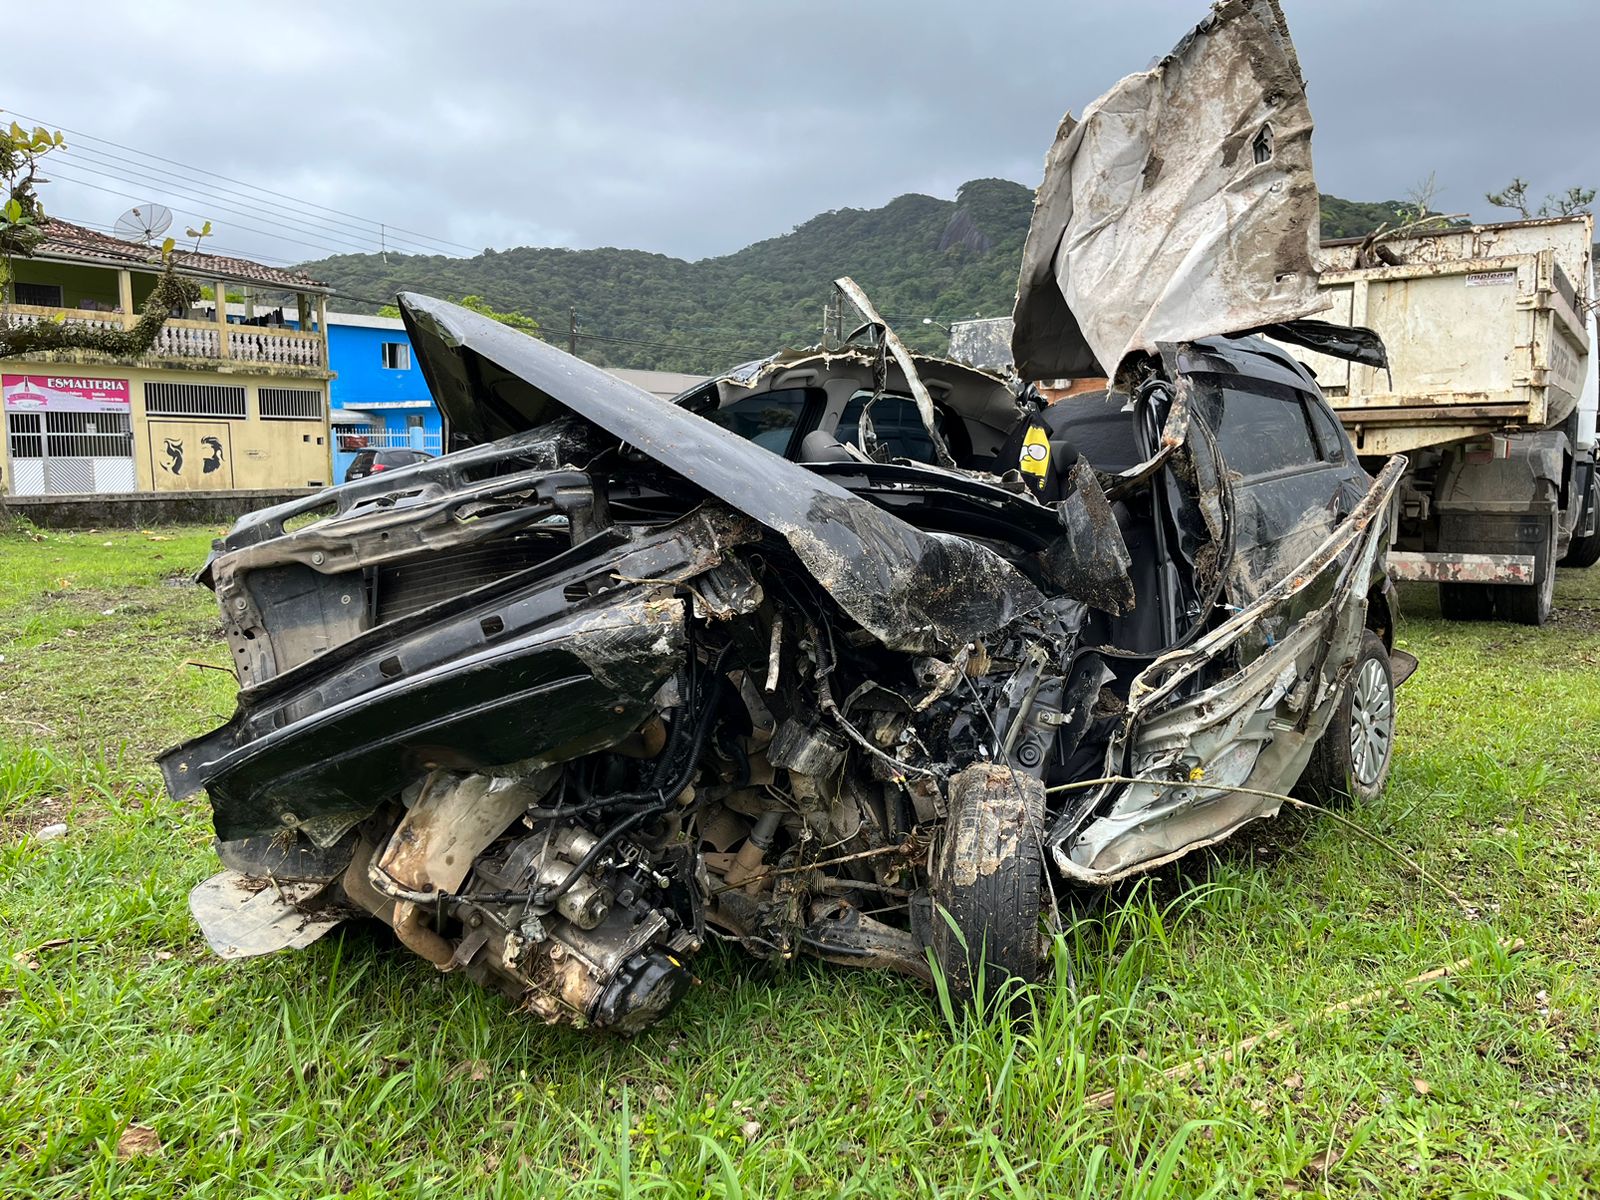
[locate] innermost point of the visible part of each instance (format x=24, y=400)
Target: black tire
x=988, y=882
x=1532, y=604
x=1466, y=601
x=1336, y=775
x=1582, y=552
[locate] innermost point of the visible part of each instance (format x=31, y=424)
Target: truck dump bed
x=1484, y=327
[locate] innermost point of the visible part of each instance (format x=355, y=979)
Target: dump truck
x=1490, y=391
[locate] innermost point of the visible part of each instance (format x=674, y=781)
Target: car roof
x=1250, y=355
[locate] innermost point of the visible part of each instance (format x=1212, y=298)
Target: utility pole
x=572, y=332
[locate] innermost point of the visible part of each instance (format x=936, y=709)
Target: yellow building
x=224, y=402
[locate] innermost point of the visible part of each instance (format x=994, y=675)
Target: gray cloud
x=694, y=129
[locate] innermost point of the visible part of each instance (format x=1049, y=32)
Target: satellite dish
x=144, y=224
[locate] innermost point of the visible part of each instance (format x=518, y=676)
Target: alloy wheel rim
x=1371, y=723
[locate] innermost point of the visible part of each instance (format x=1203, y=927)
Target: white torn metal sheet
x=1182, y=206
x=242, y=917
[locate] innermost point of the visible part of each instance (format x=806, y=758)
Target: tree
x=1515, y=197
x=479, y=305
x=22, y=218
x=1419, y=200
x=22, y=230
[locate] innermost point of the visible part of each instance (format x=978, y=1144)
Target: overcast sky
x=696, y=128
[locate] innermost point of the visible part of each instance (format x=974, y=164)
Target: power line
x=209, y=247
x=250, y=229
x=344, y=246
x=89, y=159
x=134, y=177
x=253, y=187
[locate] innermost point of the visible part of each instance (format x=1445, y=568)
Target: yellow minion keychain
x=1034, y=460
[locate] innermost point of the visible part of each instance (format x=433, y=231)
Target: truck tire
x=1466, y=601
x=988, y=883
x=1350, y=762
x=1585, y=551
x=1531, y=604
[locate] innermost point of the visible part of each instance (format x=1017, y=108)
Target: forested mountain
x=1357, y=218
x=917, y=257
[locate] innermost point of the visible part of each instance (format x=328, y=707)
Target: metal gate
x=70, y=453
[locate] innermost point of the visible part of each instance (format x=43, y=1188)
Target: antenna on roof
x=144, y=224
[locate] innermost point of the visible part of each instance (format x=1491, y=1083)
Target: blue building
x=378, y=398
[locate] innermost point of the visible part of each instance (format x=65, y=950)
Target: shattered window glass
x=1262, y=432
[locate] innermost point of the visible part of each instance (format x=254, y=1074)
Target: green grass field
x=133, y=1064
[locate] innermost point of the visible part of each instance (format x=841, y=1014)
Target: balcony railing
x=267, y=344
x=37, y=314
x=350, y=440
x=274, y=344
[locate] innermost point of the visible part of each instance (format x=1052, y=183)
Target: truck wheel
x=1585, y=551
x=988, y=882
x=1351, y=760
x=1466, y=601
x=1531, y=604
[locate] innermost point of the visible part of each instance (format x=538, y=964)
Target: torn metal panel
x=1254, y=730
x=1182, y=206
x=1350, y=342
x=243, y=917
x=919, y=391
x=1090, y=560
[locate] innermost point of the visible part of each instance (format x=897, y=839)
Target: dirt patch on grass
x=29, y=817
x=1577, y=618
x=208, y=633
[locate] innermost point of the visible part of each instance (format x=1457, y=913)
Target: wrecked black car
x=563, y=706
x=799, y=661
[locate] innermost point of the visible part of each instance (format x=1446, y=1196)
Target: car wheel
x=1531, y=604
x=1466, y=601
x=1351, y=759
x=988, y=881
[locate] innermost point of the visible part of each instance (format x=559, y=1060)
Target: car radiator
x=425, y=580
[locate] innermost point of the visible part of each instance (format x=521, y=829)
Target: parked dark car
x=370, y=462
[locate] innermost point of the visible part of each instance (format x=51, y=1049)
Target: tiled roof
x=66, y=240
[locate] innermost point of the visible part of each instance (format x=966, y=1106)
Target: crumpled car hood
x=915, y=591
x=1182, y=205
